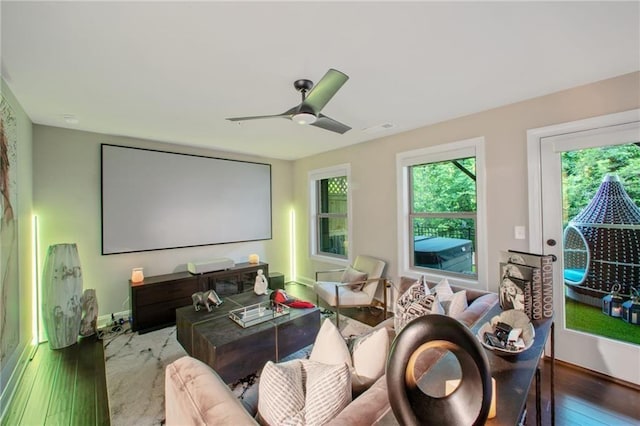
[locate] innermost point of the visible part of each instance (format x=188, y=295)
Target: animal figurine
x=208, y=299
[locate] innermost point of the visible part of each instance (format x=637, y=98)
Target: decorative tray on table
x=258, y=313
x=495, y=334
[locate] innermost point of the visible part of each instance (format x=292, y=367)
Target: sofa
x=195, y=394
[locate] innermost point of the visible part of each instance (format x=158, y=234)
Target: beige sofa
x=195, y=394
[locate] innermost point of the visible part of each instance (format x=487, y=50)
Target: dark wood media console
x=154, y=300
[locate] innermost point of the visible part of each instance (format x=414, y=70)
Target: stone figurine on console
x=208, y=299
x=261, y=284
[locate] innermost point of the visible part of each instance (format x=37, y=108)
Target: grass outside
x=589, y=319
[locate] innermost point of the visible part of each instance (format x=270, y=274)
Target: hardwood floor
x=68, y=387
x=62, y=387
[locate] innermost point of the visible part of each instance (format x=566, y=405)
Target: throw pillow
x=329, y=347
x=351, y=275
x=456, y=304
x=281, y=393
x=418, y=290
x=369, y=356
x=328, y=391
x=443, y=289
x=426, y=305
x=453, y=303
x=302, y=392
x=367, y=359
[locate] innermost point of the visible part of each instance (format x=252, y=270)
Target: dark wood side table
x=515, y=374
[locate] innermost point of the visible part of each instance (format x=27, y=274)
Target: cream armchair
x=357, y=286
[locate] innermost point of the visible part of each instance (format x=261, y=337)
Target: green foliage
x=444, y=187
x=583, y=170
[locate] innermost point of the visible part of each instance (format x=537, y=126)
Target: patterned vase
x=62, y=295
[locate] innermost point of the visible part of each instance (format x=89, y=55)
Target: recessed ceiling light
x=70, y=119
x=380, y=127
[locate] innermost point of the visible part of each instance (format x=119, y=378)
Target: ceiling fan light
x=304, y=118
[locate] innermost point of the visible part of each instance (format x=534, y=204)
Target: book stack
x=526, y=283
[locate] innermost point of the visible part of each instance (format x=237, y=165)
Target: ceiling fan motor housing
x=303, y=85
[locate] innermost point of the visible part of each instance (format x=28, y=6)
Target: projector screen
x=154, y=200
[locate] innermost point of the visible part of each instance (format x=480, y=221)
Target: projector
x=210, y=265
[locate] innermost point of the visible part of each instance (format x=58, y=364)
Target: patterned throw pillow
x=426, y=305
x=303, y=392
x=328, y=391
x=351, y=275
x=418, y=290
x=281, y=393
x=413, y=295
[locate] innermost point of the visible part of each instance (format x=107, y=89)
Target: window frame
x=474, y=147
x=314, y=213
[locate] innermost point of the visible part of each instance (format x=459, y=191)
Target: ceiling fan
x=314, y=98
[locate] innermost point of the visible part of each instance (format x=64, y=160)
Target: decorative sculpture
x=88, y=324
x=261, y=284
x=208, y=299
x=471, y=401
x=61, y=294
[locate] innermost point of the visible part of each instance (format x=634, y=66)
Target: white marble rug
x=135, y=366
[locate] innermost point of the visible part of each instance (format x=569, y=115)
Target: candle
x=254, y=258
x=451, y=385
x=136, y=275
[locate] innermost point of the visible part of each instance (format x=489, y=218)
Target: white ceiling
x=172, y=71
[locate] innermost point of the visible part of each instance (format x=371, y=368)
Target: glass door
x=590, y=197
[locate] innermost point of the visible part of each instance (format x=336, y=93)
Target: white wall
x=67, y=189
x=67, y=202
x=504, y=129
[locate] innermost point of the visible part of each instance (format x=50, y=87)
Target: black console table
x=514, y=375
x=154, y=300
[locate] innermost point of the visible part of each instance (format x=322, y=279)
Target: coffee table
x=235, y=352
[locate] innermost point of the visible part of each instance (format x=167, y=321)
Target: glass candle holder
x=137, y=275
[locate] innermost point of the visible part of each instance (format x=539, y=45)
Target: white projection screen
x=154, y=200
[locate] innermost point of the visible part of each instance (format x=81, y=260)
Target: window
x=441, y=211
x=330, y=206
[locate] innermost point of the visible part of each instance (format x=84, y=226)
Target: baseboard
x=306, y=281
x=7, y=394
x=106, y=320
x=597, y=374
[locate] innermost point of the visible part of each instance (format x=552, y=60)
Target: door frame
x=534, y=164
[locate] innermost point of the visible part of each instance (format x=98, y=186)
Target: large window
x=441, y=211
x=443, y=215
x=329, y=190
